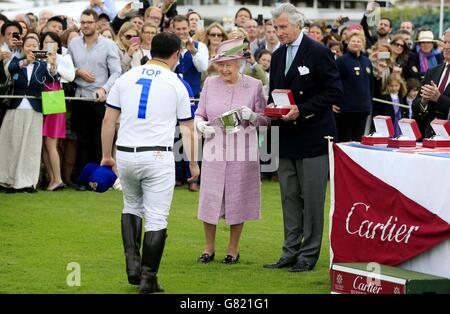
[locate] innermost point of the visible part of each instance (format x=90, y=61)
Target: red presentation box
x=410, y=134
x=374, y=278
x=282, y=100
x=384, y=129
x=435, y=142
x=398, y=143
x=442, y=138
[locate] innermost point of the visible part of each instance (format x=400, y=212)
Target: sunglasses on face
x=399, y=45
x=215, y=34
x=128, y=37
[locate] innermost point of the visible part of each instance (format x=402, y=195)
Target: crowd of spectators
x=93, y=50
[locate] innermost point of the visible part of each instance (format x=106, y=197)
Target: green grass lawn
x=41, y=233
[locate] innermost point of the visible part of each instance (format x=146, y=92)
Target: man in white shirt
x=194, y=55
x=271, y=42
x=12, y=45
x=192, y=62
x=271, y=39
x=251, y=27
x=150, y=99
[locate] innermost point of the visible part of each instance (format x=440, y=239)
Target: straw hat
x=426, y=37
x=232, y=49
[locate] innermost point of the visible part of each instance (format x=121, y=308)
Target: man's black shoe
x=282, y=263
x=301, y=266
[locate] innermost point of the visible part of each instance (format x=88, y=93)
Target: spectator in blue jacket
x=21, y=131
x=193, y=61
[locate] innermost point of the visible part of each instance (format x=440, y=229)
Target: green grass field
x=41, y=233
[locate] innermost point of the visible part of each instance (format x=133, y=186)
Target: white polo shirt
x=151, y=98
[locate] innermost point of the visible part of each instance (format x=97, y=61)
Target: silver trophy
x=231, y=120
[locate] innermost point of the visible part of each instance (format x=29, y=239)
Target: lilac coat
x=230, y=181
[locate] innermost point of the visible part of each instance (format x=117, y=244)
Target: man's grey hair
x=446, y=31
x=295, y=16
x=42, y=12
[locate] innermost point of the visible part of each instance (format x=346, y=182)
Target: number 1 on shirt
x=146, y=83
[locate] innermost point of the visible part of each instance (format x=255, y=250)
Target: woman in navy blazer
x=355, y=70
x=21, y=131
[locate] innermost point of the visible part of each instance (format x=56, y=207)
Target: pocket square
x=303, y=70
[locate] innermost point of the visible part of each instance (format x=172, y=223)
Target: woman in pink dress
x=54, y=127
x=230, y=185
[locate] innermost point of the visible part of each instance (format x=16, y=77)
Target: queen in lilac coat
x=230, y=185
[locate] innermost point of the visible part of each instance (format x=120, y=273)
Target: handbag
x=53, y=102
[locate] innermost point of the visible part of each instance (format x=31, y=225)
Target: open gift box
x=384, y=129
x=410, y=134
x=442, y=138
x=282, y=100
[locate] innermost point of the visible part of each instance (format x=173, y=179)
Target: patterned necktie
x=289, y=59
x=397, y=117
x=445, y=79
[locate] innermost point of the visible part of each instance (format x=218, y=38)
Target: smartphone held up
x=344, y=20
x=137, y=5
x=383, y=55
x=51, y=47
x=135, y=40
x=40, y=55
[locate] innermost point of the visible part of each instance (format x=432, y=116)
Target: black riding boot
x=152, y=251
x=131, y=236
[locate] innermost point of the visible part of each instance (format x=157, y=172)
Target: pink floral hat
x=232, y=49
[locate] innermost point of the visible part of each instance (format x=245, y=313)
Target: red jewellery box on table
x=410, y=134
x=442, y=137
x=282, y=100
x=384, y=129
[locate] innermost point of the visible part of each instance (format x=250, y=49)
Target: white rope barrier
x=390, y=103
x=37, y=97
x=195, y=99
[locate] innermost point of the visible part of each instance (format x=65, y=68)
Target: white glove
x=204, y=128
x=248, y=114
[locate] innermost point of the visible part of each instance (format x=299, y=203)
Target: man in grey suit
x=309, y=70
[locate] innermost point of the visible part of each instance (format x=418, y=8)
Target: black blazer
x=314, y=93
x=439, y=109
x=35, y=87
x=2, y=73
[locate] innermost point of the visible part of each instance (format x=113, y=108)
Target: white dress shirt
x=295, y=44
x=201, y=58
